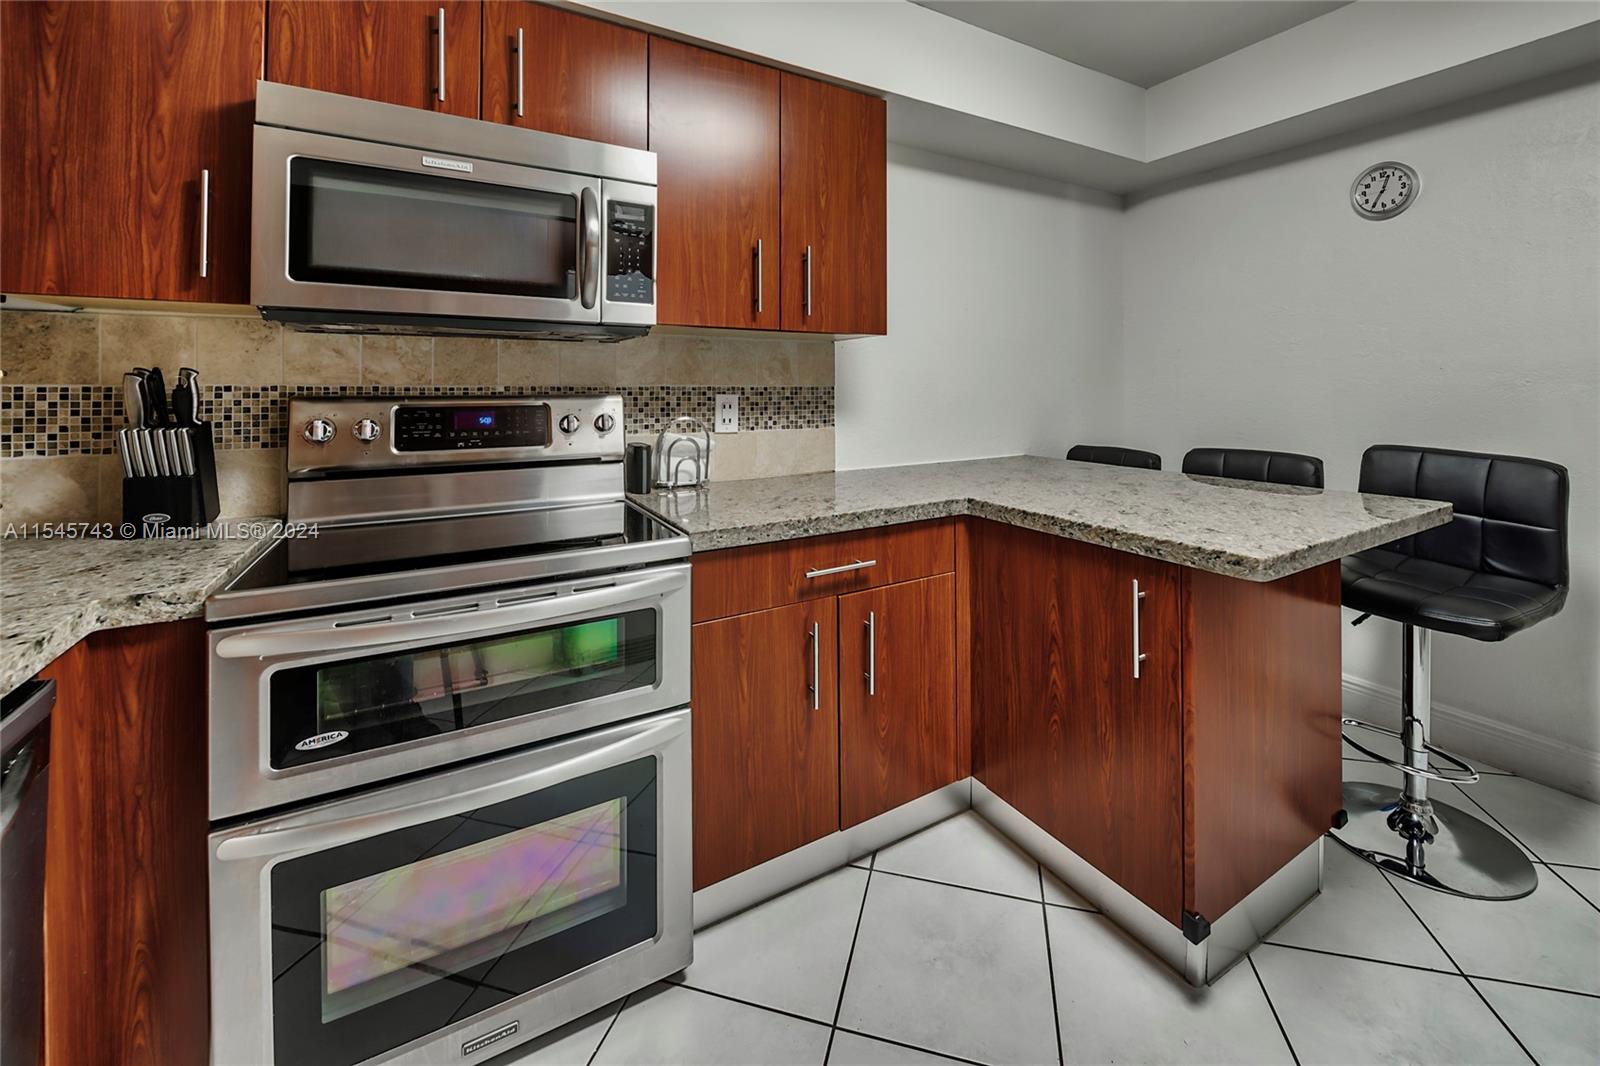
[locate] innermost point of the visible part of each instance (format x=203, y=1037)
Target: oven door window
x=369, y=226
x=381, y=941
x=326, y=710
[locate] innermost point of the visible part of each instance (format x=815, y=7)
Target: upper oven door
x=349, y=225
x=308, y=707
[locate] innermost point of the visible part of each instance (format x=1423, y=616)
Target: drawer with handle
x=754, y=578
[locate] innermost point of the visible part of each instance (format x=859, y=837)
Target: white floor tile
x=1557, y=1028
x=863, y=863
x=790, y=952
x=1339, y=1010
x=959, y=972
x=1550, y=937
x=1119, y=1003
x=964, y=850
x=1359, y=914
x=1062, y=896
x=1558, y=827
x=673, y=1026
x=1585, y=880
x=570, y=1045
x=852, y=1050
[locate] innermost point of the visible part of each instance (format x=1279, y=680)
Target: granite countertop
x=55, y=592
x=1242, y=529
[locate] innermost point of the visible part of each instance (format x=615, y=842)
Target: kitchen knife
x=122, y=450
x=147, y=452
x=133, y=397
x=156, y=388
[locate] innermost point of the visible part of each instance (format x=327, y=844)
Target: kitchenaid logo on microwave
x=447, y=164
x=322, y=740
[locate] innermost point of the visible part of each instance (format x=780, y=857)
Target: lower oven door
x=436, y=920
x=308, y=707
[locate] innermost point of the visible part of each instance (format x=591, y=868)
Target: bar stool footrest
x=1464, y=774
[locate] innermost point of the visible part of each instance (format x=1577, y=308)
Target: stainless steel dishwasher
x=24, y=788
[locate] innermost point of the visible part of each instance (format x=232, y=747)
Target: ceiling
x=1140, y=41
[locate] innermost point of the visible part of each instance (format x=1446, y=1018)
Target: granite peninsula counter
x=1242, y=529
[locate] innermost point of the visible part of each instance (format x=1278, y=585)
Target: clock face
x=1384, y=190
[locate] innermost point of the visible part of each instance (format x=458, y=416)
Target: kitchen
x=934, y=520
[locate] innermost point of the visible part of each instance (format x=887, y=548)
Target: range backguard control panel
x=428, y=429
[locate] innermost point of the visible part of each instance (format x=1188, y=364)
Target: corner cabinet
x=549, y=69
x=417, y=53
x=835, y=211
x=824, y=688
x=126, y=149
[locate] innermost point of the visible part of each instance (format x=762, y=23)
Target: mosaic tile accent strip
x=48, y=420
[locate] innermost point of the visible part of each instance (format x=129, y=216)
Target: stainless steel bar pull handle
x=589, y=250
x=1138, y=656
x=520, y=84
x=872, y=653
x=808, y=280
x=859, y=564
x=205, y=223
x=758, y=276
x=816, y=666
x=440, y=87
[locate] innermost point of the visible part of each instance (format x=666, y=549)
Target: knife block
x=188, y=501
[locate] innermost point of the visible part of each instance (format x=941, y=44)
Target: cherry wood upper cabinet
x=714, y=129
x=897, y=710
x=765, y=736
x=574, y=75
x=386, y=50
x=126, y=140
x=834, y=180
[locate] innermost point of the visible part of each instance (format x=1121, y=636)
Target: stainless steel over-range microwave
x=370, y=217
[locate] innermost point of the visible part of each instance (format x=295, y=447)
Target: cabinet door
x=1064, y=731
x=714, y=129
x=766, y=736
x=834, y=175
x=897, y=710
x=573, y=75
x=388, y=51
x=115, y=114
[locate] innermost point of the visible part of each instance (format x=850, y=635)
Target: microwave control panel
x=630, y=252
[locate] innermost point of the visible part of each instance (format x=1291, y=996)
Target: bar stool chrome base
x=1466, y=857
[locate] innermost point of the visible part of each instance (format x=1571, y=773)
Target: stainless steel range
x=449, y=738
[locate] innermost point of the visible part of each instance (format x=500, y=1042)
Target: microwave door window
x=367, y=226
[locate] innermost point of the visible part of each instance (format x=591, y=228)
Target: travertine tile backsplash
x=61, y=394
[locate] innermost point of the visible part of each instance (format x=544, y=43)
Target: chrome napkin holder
x=669, y=466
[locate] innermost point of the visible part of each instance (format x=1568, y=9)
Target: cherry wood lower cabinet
x=1191, y=783
x=387, y=50
x=126, y=970
x=765, y=736
x=897, y=723
x=574, y=75
x=116, y=114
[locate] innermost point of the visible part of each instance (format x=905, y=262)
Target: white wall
x=1260, y=311
x=1004, y=319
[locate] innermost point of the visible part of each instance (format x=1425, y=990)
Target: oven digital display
x=468, y=419
x=390, y=932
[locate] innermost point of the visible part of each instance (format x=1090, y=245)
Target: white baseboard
x=1509, y=747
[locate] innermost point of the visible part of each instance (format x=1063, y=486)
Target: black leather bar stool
x=1497, y=568
x=1247, y=464
x=1111, y=455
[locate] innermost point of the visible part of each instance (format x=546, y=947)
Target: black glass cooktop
x=338, y=565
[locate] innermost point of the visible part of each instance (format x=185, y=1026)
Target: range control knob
x=604, y=424
x=569, y=424
x=318, y=431
x=366, y=431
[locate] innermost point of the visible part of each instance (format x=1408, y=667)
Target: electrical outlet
x=727, y=412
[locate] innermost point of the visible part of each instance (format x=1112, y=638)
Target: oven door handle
x=318, y=831
x=328, y=638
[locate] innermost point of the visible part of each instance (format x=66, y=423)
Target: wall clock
x=1384, y=190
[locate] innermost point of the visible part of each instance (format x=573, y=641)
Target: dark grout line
x=1274, y=1009
x=1557, y=872
x=1050, y=964
x=844, y=982
x=908, y=1047
x=748, y=1003
x=969, y=888
x=609, y=1027
x=1475, y=990
x=1487, y=813
x=1571, y=866
x=1365, y=958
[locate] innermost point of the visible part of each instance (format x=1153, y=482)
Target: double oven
x=449, y=739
